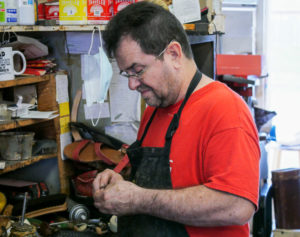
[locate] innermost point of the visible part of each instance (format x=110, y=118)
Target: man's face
x=156, y=81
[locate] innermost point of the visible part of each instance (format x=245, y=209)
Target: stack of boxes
x=78, y=12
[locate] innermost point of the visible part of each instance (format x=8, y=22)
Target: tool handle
x=24, y=208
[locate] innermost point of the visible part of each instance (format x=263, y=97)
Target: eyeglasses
x=139, y=74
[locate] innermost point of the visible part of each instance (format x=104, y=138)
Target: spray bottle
x=26, y=12
x=12, y=12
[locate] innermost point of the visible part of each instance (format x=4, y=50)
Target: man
x=195, y=165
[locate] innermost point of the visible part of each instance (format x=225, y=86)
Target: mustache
x=143, y=87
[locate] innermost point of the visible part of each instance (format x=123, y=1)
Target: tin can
x=41, y=12
x=72, y=12
x=120, y=4
x=99, y=11
x=77, y=212
x=52, y=11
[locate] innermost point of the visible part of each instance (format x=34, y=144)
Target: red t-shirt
x=216, y=145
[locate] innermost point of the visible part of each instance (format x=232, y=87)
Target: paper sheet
x=125, y=132
x=64, y=108
x=187, y=11
x=65, y=139
x=95, y=111
x=40, y=115
x=74, y=43
x=125, y=104
x=64, y=124
x=62, y=88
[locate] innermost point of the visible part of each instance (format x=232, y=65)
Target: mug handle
x=24, y=62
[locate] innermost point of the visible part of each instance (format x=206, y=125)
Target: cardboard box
x=230, y=64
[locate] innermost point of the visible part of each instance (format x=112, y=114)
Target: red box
x=238, y=64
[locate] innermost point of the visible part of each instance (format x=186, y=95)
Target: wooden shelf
x=13, y=165
x=24, y=80
x=50, y=28
x=35, y=28
x=18, y=123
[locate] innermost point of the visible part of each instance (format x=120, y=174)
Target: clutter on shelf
x=40, y=67
x=63, y=12
x=30, y=47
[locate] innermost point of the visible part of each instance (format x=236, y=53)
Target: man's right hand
x=105, y=178
x=113, y=195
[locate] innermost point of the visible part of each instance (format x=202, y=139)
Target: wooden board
x=18, y=123
x=19, y=81
x=13, y=165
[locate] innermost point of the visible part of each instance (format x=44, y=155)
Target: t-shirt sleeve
x=231, y=163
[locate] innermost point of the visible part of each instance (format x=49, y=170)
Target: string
x=100, y=52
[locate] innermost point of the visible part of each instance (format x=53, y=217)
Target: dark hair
x=150, y=25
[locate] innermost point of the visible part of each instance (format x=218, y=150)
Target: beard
x=152, y=98
x=163, y=96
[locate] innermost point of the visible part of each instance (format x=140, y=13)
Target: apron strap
x=148, y=125
x=175, y=121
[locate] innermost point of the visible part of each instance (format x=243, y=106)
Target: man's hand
x=105, y=178
x=113, y=195
x=195, y=206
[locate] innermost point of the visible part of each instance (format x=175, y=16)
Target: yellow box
x=72, y=12
x=286, y=233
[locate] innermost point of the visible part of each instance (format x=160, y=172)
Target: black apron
x=151, y=169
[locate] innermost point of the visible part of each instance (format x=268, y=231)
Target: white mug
x=7, y=70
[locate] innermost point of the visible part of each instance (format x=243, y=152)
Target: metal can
x=99, y=11
x=72, y=12
x=41, y=12
x=120, y=4
x=52, y=11
x=77, y=212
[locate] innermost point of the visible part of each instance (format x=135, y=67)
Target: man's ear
x=175, y=54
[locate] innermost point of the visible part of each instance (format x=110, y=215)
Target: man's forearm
x=196, y=206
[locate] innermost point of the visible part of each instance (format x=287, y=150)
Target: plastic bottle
x=12, y=12
x=2, y=12
x=26, y=12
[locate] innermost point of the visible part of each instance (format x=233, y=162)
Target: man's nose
x=133, y=83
